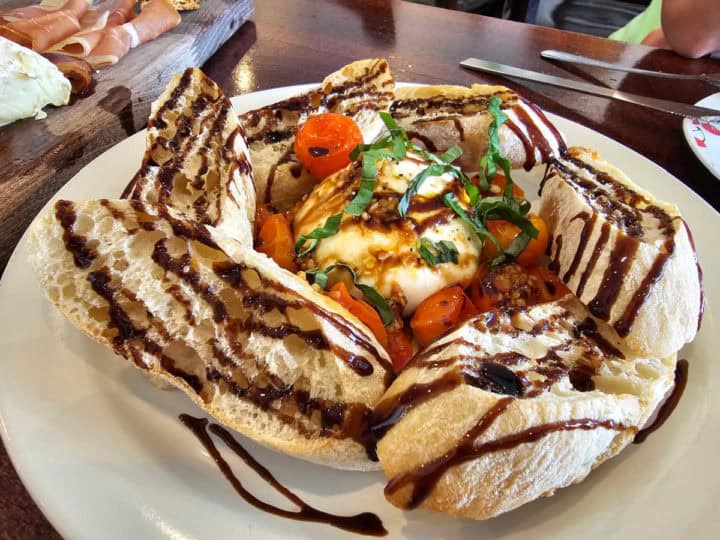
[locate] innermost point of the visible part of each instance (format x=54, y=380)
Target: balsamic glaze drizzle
x=365, y=523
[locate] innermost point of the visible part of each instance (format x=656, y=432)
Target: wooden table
x=302, y=41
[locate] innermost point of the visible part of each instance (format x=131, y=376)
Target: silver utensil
x=561, y=56
x=672, y=107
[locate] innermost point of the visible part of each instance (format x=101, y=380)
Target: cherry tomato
x=323, y=144
x=505, y=232
x=400, y=349
x=276, y=241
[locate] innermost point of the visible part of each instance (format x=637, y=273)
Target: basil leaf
x=435, y=253
x=414, y=185
x=451, y=154
x=331, y=226
x=376, y=300
x=477, y=225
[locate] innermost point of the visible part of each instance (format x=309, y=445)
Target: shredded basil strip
x=374, y=298
x=439, y=252
x=331, y=226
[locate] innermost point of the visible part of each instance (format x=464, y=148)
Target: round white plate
x=703, y=136
x=104, y=455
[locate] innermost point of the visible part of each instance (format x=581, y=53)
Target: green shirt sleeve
x=638, y=28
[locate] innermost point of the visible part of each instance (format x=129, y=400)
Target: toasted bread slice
x=510, y=407
x=250, y=343
x=196, y=159
x=629, y=257
x=359, y=90
x=439, y=117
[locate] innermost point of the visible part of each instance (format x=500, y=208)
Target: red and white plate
x=703, y=135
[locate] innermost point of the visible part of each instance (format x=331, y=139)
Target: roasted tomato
x=506, y=232
x=323, y=144
x=440, y=313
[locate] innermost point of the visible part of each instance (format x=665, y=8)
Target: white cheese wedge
x=28, y=82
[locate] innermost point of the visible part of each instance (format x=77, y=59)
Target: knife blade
x=671, y=107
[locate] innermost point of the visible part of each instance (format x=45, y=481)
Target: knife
x=562, y=56
x=672, y=107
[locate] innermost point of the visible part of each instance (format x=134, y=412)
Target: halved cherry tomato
x=505, y=232
x=262, y=212
x=323, y=144
x=512, y=285
x=550, y=285
x=400, y=348
x=276, y=241
x=440, y=313
x=365, y=313
x=500, y=181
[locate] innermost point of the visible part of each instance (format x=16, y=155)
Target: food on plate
x=440, y=116
x=628, y=256
x=169, y=280
x=28, y=82
x=512, y=406
x=283, y=292
x=253, y=345
x=196, y=160
x=358, y=90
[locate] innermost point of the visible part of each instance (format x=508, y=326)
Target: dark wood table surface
x=304, y=40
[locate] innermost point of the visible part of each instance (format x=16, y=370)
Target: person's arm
x=692, y=27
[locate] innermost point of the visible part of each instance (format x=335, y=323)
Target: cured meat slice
x=42, y=32
x=158, y=17
x=28, y=12
x=93, y=24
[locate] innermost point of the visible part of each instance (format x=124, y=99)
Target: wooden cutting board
x=37, y=157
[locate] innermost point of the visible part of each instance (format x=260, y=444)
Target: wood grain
x=302, y=41
x=37, y=157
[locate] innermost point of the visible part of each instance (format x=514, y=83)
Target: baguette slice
x=250, y=343
x=359, y=90
x=510, y=407
x=439, y=117
x=629, y=257
x=196, y=157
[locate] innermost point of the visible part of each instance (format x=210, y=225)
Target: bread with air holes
x=591, y=208
x=196, y=158
x=626, y=390
x=168, y=323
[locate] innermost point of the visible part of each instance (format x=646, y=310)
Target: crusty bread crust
x=256, y=329
x=441, y=116
x=667, y=318
x=196, y=158
x=626, y=392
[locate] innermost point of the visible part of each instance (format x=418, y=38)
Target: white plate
x=703, y=136
x=104, y=455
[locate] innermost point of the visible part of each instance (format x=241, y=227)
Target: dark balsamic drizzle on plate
x=667, y=408
x=365, y=523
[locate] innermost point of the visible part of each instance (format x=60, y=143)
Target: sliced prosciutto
x=157, y=17
x=28, y=12
x=41, y=32
x=93, y=26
